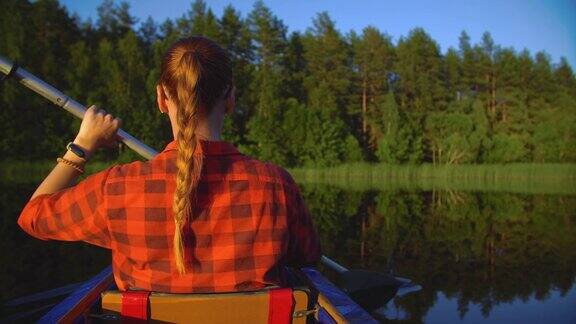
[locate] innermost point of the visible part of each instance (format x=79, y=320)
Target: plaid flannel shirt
x=249, y=221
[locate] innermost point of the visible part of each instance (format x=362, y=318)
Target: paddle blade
x=374, y=290
x=355, y=280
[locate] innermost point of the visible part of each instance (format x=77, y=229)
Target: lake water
x=478, y=256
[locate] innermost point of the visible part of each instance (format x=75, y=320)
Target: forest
x=316, y=98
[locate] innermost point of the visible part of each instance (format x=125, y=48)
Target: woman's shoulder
x=268, y=171
x=132, y=169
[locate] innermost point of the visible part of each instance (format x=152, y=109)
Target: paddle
x=354, y=281
x=61, y=100
x=350, y=280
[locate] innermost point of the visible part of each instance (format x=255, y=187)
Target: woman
x=200, y=216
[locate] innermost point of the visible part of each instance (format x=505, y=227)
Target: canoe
x=85, y=304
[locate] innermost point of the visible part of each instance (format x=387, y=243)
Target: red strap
x=280, y=306
x=135, y=306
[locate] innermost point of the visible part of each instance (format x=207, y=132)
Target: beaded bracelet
x=76, y=166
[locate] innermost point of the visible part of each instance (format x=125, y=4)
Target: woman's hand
x=98, y=129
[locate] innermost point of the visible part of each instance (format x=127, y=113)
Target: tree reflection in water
x=482, y=249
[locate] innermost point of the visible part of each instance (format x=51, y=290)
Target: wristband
x=76, y=150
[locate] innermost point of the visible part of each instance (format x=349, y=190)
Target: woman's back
x=248, y=221
x=200, y=216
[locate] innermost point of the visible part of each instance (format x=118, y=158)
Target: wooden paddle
x=350, y=280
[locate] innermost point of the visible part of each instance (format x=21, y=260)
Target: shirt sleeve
x=304, y=243
x=72, y=214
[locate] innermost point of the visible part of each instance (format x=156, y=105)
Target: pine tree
x=420, y=69
x=542, y=80
x=148, y=31
x=420, y=88
x=269, y=36
x=328, y=65
x=469, y=68
x=373, y=60
x=328, y=84
x=564, y=77
x=453, y=75
x=486, y=73
x=236, y=39
x=114, y=20
x=394, y=140
x=295, y=67
x=314, y=139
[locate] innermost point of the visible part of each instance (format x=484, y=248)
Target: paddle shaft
x=61, y=100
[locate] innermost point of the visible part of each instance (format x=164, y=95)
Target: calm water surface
x=479, y=256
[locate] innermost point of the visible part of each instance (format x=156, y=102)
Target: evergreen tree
x=295, y=67
x=486, y=73
x=564, y=77
x=269, y=35
x=329, y=73
x=453, y=75
x=420, y=69
x=373, y=60
x=328, y=84
x=315, y=139
x=394, y=139
x=468, y=80
x=148, y=31
x=420, y=88
x=542, y=80
x=81, y=77
x=236, y=39
x=114, y=20
x=14, y=40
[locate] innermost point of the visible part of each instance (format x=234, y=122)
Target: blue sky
x=548, y=25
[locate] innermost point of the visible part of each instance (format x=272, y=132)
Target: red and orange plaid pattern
x=249, y=221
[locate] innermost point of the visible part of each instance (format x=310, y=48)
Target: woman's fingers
x=117, y=122
x=98, y=127
x=101, y=113
x=91, y=111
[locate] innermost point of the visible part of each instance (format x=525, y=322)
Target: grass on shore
x=34, y=171
x=521, y=177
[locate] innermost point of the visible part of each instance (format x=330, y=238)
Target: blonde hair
x=195, y=72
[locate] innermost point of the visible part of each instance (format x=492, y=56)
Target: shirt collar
x=208, y=147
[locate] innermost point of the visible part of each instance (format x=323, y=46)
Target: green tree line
x=314, y=98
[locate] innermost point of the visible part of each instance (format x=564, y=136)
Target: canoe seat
x=235, y=307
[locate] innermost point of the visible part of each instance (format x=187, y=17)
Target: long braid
x=196, y=72
x=188, y=164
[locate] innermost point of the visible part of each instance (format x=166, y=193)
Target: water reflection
x=28, y=265
x=480, y=250
x=476, y=255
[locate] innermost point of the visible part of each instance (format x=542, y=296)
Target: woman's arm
x=97, y=129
